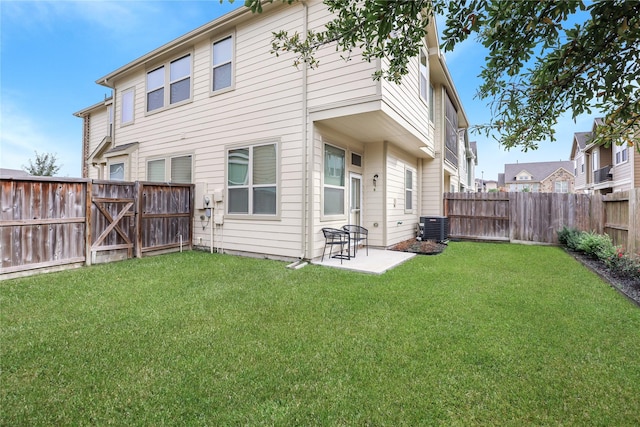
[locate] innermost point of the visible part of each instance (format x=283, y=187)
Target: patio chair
x=335, y=237
x=358, y=234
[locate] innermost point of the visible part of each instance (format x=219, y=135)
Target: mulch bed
x=627, y=286
x=427, y=247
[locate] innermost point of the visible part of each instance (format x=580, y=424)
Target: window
x=594, y=160
x=179, y=170
x=432, y=103
x=334, y=178
x=127, y=106
x=116, y=172
x=451, y=143
x=222, y=63
x=582, y=166
x=179, y=88
x=621, y=153
x=109, y=120
x=561, y=187
x=252, y=180
x=408, y=190
x=424, y=77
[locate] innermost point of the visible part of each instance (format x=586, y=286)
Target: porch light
x=375, y=180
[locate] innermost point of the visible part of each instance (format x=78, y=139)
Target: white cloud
x=21, y=136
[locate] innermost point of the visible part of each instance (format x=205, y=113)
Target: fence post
x=88, y=222
x=137, y=195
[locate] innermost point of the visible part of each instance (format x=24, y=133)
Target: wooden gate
x=129, y=219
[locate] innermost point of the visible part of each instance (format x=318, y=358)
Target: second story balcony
x=602, y=175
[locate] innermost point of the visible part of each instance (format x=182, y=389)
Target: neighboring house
x=539, y=177
x=281, y=153
x=604, y=169
x=13, y=173
x=484, y=186
x=468, y=160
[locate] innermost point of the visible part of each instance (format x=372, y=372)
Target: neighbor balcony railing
x=602, y=175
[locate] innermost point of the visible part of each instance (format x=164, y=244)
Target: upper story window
x=424, y=77
x=561, y=187
x=594, y=160
x=109, y=120
x=222, y=70
x=451, y=142
x=432, y=103
x=178, y=76
x=334, y=180
x=582, y=165
x=622, y=153
x=179, y=171
x=126, y=110
x=252, y=174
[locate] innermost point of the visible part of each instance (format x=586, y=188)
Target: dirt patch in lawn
x=427, y=247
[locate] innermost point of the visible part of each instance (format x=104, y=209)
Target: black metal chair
x=358, y=234
x=335, y=237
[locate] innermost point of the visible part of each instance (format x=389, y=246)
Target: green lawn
x=482, y=334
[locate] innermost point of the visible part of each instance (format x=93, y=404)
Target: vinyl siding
x=401, y=225
x=264, y=106
x=97, y=133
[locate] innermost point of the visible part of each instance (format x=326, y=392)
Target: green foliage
x=200, y=339
x=570, y=237
x=44, y=165
x=601, y=247
x=594, y=244
x=544, y=58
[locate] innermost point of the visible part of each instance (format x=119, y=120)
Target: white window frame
x=168, y=163
x=128, y=95
x=110, y=120
x=408, y=191
x=250, y=185
x=116, y=164
x=167, y=83
x=432, y=103
x=423, y=75
x=621, y=153
x=231, y=61
x=561, y=186
x=326, y=186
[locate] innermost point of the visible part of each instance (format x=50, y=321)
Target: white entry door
x=355, y=199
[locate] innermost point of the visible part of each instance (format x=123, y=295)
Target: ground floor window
x=334, y=180
x=408, y=190
x=179, y=169
x=252, y=174
x=116, y=171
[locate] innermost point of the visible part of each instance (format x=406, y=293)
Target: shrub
x=594, y=244
x=570, y=237
x=623, y=264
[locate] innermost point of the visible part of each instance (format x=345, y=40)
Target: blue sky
x=51, y=53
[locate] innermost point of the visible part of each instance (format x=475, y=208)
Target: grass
x=483, y=334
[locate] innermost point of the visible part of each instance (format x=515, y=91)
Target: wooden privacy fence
x=46, y=223
x=537, y=217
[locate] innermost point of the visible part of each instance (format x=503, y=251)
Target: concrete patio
x=377, y=262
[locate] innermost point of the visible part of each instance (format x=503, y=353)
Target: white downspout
x=305, y=230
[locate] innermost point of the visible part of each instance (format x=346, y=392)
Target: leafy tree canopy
x=544, y=58
x=44, y=165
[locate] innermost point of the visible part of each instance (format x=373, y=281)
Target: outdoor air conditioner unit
x=435, y=228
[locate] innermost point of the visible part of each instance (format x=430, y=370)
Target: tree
x=545, y=58
x=45, y=165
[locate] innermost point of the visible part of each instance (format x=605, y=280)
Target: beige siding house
x=604, y=169
x=279, y=152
